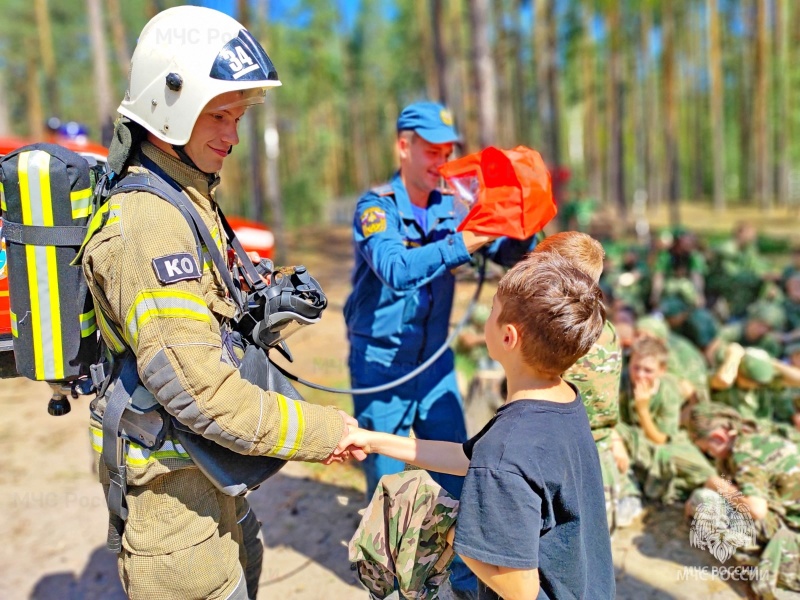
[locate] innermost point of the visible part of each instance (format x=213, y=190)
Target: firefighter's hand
x=344, y=451
x=255, y=258
x=474, y=241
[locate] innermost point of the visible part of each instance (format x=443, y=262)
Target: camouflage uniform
x=400, y=544
x=771, y=404
x=736, y=275
x=762, y=465
x=669, y=471
x=684, y=360
x=597, y=376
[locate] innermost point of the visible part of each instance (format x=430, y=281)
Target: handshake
x=355, y=442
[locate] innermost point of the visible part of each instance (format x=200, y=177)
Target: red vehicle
x=254, y=237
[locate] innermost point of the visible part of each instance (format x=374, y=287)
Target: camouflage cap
x=653, y=326
x=757, y=365
x=707, y=416
x=769, y=313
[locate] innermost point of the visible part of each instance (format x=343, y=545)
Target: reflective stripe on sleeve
x=3, y=198
x=13, y=317
x=137, y=456
x=88, y=323
x=150, y=304
x=81, y=203
x=293, y=427
x=110, y=335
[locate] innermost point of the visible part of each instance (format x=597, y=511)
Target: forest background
x=640, y=102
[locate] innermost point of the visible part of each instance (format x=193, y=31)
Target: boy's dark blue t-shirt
x=533, y=498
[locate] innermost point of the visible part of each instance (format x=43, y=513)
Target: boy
x=597, y=375
x=532, y=517
x=666, y=463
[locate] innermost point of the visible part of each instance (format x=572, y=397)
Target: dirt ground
x=53, y=519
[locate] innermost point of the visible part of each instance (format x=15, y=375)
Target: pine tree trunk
x=46, y=51
x=118, y=37
x=439, y=52
x=102, y=82
x=591, y=128
x=483, y=72
x=716, y=103
x=670, y=112
x=760, y=110
x=616, y=154
x=545, y=55
x=782, y=132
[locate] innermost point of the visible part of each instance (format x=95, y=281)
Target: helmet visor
x=237, y=98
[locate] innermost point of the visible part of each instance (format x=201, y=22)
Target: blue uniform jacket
x=402, y=298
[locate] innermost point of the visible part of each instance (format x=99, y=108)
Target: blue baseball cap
x=431, y=121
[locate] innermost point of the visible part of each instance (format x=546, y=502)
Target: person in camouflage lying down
x=764, y=473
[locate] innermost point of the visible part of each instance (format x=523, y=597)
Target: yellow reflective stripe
x=41, y=262
x=81, y=203
x=2, y=197
x=207, y=260
x=136, y=455
x=216, y=236
x=114, y=213
x=88, y=323
x=292, y=428
x=14, y=331
x=110, y=335
x=150, y=304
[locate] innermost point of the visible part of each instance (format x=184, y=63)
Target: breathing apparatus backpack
x=46, y=203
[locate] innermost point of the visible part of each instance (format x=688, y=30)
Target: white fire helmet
x=186, y=56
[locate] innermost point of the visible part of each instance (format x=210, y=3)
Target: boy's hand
x=343, y=451
x=357, y=442
x=620, y=454
x=642, y=392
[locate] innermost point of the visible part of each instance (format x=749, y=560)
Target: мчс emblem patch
x=373, y=220
x=176, y=267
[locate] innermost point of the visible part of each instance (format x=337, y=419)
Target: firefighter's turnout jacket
x=143, y=272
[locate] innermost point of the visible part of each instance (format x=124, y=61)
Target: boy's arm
x=431, y=455
x=508, y=583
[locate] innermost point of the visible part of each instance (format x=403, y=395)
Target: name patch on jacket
x=373, y=220
x=176, y=267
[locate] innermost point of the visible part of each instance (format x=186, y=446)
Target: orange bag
x=501, y=192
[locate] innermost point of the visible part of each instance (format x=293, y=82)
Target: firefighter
x=193, y=74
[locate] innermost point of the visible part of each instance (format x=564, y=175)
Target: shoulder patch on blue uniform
x=373, y=220
x=176, y=267
x=383, y=190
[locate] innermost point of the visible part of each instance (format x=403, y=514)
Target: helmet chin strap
x=186, y=159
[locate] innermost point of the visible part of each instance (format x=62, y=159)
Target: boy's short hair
x=557, y=309
x=647, y=346
x=585, y=252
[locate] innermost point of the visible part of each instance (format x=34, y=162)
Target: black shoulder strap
x=251, y=275
x=152, y=183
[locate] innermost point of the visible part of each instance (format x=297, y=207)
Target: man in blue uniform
x=398, y=313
